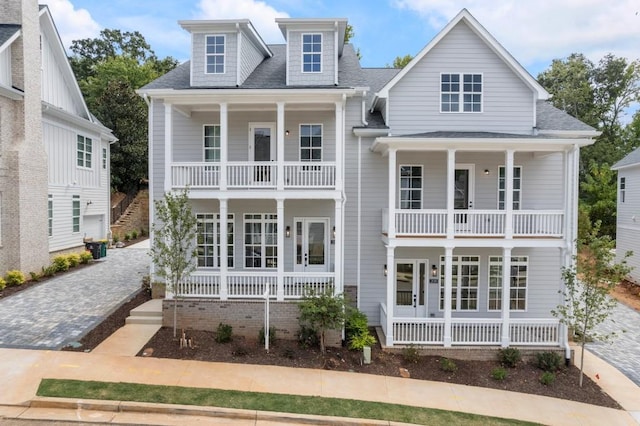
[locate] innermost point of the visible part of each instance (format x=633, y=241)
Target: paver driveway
x=623, y=352
x=60, y=310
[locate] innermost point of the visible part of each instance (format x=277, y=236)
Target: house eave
x=56, y=112
x=271, y=96
x=11, y=93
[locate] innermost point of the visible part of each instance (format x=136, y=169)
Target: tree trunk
x=322, y=341
x=175, y=315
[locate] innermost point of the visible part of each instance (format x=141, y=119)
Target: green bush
x=308, y=337
x=127, y=236
x=499, y=373
x=357, y=330
x=448, y=365
x=86, y=257
x=35, y=277
x=358, y=342
x=115, y=238
x=61, y=263
x=15, y=278
x=143, y=232
x=272, y=336
x=547, y=378
x=411, y=354
x=509, y=357
x=3, y=284
x=549, y=361
x=134, y=234
x=224, y=333
x=49, y=271
x=74, y=259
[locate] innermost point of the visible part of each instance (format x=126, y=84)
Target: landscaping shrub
x=74, y=259
x=85, y=257
x=547, y=378
x=14, y=278
x=357, y=342
x=549, y=361
x=499, y=373
x=127, y=236
x=308, y=337
x=143, y=232
x=224, y=333
x=115, y=238
x=3, y=284
x=272, y=336
x=34, y=276
x=448, y=365
x=411, y=354
x=49, y=271
x=509, y=357
x=357, y=330
x=60, y=263
x=134, y=234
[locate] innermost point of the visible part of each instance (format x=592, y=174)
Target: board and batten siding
x=5, y=68
x=250, y=57
x=199, y=77
x=294, y=61
x=55, y=88
x=628, y=220
x=414, y=102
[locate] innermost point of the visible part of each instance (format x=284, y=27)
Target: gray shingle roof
x=552, y=118
x=7, y=31
x=474, y=135
x=630, y=159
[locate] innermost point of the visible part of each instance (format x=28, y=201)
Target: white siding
x=414, y=102
x=250, y=58
x=628, y=219
x=55, y=88
x=294, y=61
x=5, y=67
x=199, y=76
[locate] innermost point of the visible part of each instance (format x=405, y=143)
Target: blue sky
x=535, y=32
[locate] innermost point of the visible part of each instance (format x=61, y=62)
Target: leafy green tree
x=586, y=292
x=173, y=251
x=400, y=61
x=349, y=33
x=599, y=192
x=323, y=311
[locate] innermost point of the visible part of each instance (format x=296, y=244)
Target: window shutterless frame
x=215, y=46
x=311, y=60
x=518, y=283
x=461, y=92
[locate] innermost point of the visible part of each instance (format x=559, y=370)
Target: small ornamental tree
x=586, y=291
x=323, y=311
x=173, y=251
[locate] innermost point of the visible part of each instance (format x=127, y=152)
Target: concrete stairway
x=147, y=313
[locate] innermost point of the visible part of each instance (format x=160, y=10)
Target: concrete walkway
x=623, y=351
x=62, y=309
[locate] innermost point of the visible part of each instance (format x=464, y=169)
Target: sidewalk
x=24, y=369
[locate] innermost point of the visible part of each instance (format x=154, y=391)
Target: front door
x=410, y=288
x=463, y=195
x=311, y=249
x=262, y=151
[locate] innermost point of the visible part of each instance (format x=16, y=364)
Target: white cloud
x=72, y=23
x=262, y=15
x=541, y=30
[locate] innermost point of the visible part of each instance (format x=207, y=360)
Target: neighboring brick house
x=441, y=197
x=54, y=155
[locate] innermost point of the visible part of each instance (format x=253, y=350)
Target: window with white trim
x=464, y=287
x=517, y=283
x=410, y=187
x=50, y=214
x=104, y=158
x=84, y=149
x=215, y=49
x=311, y=52
x=623, y=187
x=311, y=142
x=261, y=240
x=208, y=240
x=517, y=187
x=75, y=213
x=460, y=89
x=211, y=142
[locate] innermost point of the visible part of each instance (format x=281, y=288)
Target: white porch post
x=391, y=274
x=224, y=290
x=168, y=145
x=448, y=285
x=280, y=145
x=506, y=295
x=339, y=143
x=391, y=229
x=508, y=194
x=281, y=230
x=337, y=247
x=224, y=144
x=451, y=176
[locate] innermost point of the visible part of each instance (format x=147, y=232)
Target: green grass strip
x=297, y=404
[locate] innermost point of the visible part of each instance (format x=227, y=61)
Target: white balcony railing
x=252, y=175
x=195, y=175
x=543, y=223
x=309, y=175
x=534, y=332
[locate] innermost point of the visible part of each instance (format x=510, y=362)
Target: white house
x=628, y=212
x=429, y=195
x=55, y=185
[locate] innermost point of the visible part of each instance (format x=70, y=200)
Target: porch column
x=575, y=152
x=339, y=143
x=337, y=247
x=281, y=230
x=451, y=177
x=506, y=295
x=280, y=145
x=168, y=145
x=567, y=158
x=391, y=228
x=508, y=194
x=448, y=285
x=224, y=252
x=391, y=275
x=224, y=144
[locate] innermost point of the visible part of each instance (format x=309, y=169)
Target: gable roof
x=8, y=33
x=631, y=159
x=315, y=24
x=549, y=119
x=484, y=35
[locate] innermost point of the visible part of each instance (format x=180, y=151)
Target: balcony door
x=311, y=244
x=463, y=186
x=411, y=288
x=262, y=150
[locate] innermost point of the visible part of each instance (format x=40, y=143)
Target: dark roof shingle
x=7, y=31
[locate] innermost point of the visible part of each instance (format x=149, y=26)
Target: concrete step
x=151, y=308
x=147, y=320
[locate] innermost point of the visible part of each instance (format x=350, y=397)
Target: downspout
x=359, y=207
x=364, y=109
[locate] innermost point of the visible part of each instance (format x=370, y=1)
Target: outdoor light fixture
x=385, y=270
x=486, y=171
x=287, y=232
x=434, y=271
x=333, y=233
x=89, y=202
x=286, y=133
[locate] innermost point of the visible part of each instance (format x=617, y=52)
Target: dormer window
x=215, y=54
x=457, y=89
x=312, y=53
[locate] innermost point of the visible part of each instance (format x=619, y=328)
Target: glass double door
x=411, y=288
x=311, y=244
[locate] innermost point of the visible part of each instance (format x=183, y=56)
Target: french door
x=463, y=195
x=311, y=244
x=262, y=150
x=411, y=288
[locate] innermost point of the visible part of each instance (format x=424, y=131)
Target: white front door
x=410, y=294
x=311, y=245
x=262, y=149
x=463, y=186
